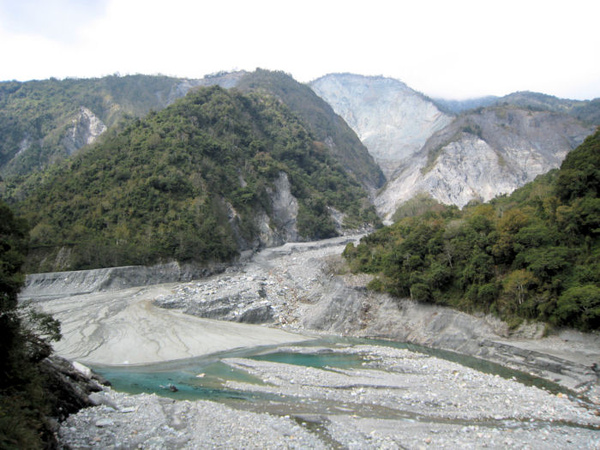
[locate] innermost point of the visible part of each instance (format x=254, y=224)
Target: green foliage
x=185, y=183
x=580, y=171
x=35, y=116
x=418, y=205
x=533, y=255
x=322, y=122
x=580, y=306
x=13, y=247
x=24, y=341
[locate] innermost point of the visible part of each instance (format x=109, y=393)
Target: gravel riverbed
x=396, y=399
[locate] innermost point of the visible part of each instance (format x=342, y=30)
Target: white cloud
x=458, y=48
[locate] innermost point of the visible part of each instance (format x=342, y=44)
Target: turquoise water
x=205, y=377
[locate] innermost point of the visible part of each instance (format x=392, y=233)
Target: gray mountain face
x=85, y=129
x=484, y=154
x=392, y=120
x=455, y=159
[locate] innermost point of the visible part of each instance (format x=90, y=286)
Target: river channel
x=221, y=377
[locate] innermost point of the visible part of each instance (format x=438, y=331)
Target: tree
x=13, y=246
x=580, y=306
x=24, y=342
x=518, y=283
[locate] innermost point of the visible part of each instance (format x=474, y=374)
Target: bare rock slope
x=392, y=120
x=484, y=154
x=477, y=155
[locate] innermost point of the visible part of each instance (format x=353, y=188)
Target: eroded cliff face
x=455, y=159
x=281, y=225
x=392, y=120
x=484, y=154
x=277, y=224
x=85, y=129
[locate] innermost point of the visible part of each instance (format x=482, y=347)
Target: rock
x=102, y=423
x=68, y=389
x=85, y=129
x=100, y=398
x=474, y=156
x=59, y=284
x=85, y=371
x=260, y=314
x=392, y=120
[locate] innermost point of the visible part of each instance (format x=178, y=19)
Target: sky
x=454, y=49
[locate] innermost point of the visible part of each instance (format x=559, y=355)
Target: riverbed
x=332, y=393
x=189, y=373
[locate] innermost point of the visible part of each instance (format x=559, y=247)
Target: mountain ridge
x=406, y=133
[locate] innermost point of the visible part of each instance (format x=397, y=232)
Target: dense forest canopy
x=322, y=121
x=44, y=122
x=532, y=255
x=185, y=183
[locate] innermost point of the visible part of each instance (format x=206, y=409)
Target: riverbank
x=124, y=327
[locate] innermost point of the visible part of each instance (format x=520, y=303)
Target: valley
x=383, y=395
x=216, y=248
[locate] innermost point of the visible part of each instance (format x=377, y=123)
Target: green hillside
x=35, y=116
x=44, y=122
x=532, y=255
x=187, y=183
x=322, y=121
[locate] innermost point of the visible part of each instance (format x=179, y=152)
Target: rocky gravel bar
x=396, y=399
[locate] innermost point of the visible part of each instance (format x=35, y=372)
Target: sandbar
x=124, y=328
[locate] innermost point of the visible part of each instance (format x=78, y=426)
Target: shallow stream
x=206, y=377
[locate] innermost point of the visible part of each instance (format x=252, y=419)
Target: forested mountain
x=42, y=122
x=428, y=155
x=216, y=172
x=325, y=124
x=532, y=255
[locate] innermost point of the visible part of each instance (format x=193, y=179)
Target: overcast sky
x=443, y=48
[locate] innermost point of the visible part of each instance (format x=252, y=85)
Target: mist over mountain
x=459, y=106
